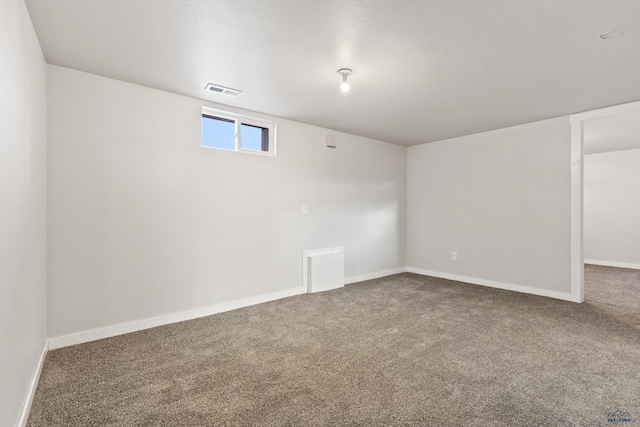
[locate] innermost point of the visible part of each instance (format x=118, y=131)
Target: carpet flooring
x=405, y=350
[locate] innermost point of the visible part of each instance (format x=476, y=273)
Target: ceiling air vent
x=223, y=90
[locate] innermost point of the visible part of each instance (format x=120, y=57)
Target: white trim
x=33, y=385
x=616, y=110
x=371, y=276
x=125, y=328
x=493, y=284
x=231, y=115
x=612, y=264
x=271, y=126
x=577, y=178
x=577, y=190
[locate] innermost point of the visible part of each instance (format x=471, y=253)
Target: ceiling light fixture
x=612, y=34
x=345, y=73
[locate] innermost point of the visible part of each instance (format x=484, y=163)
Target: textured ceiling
x=424, y=70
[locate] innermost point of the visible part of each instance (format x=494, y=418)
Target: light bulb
x=344, y=72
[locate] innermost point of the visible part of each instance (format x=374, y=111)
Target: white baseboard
x=612, y=264
x=377, y=275
x=111, y=331
x=125, y=328
x=33, y=385
x=493, y=284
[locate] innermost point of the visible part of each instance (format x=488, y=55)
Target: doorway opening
x=584, y=129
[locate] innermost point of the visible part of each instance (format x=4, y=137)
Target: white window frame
x=239, y=120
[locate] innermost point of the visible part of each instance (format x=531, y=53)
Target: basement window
x=234, y=132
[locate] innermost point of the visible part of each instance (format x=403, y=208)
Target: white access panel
x=323, y=269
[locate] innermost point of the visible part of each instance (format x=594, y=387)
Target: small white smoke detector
x=331, y=141
x=222, y=90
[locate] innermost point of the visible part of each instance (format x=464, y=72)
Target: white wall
x=23, y=123
x=144, y=222
x=501, y=199
x=612, y=208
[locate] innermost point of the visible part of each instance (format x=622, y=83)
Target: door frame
x=577, y=188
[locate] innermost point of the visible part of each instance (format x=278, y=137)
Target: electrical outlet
x=305, y=209
x=454, y=256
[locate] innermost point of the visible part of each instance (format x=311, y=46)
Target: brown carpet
x=406, y=350
x=614, y=291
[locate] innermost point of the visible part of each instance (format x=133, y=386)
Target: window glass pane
x=254, y=137
x=218, y=133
